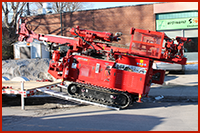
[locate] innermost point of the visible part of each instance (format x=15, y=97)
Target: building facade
x=117, y=19
x=179, y=19
x=173, y=18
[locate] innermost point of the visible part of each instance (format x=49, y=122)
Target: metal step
x=69, y=98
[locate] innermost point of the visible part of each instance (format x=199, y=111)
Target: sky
x=96, y=5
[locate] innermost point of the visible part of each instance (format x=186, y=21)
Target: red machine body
x=94, y=67
x=150, y=44
x=104, y=36
x=127, y=73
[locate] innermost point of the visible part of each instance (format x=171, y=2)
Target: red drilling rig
x=102, y=73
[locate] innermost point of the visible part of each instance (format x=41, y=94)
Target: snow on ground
x=191, y=67
x=33, y=69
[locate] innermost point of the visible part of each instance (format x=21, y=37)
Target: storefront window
x=192, y=46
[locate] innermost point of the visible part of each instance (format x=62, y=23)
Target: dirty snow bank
x=191, y=67
x=33, y=69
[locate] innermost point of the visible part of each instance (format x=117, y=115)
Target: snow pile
x=33, y=69
x=191, y=67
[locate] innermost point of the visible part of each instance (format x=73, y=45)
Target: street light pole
x=28, y=10
x=61, y=22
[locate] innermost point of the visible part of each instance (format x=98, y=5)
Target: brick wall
x=119, y=19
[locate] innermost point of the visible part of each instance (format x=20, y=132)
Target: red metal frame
x=153, y=46
x=146, y=46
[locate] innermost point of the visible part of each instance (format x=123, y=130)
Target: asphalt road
x=148, y=116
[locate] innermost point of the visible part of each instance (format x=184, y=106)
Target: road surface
x=51, y=114
x=148, y=116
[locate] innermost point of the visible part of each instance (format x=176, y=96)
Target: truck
x=92, y=69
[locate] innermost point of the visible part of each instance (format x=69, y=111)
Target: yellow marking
x=192, y=63
x=141, y=61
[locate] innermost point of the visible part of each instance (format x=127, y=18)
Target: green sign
x=182, y=23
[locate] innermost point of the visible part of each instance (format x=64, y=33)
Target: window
x=177, y=15
x=192, y=46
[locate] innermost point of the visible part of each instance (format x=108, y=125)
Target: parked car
x=171, y=67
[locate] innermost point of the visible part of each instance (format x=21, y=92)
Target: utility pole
x=61, y=22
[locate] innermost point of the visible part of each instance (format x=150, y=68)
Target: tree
x=15, y=9
x=66, y=6
x=7, y=49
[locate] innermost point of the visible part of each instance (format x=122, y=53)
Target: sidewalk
x=177, y=86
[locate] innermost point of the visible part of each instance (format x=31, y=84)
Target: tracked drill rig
x=102, y=73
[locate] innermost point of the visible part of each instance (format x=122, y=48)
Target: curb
x=189, y=63
x=182, y=97
x=170, y=84
x=174, y=98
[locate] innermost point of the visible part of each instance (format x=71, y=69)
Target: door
x=25, y=52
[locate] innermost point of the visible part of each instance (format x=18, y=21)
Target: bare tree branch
x=17, y=5
x=67, y=6
x=15, y=8
x=23, y=4
x=3, y=9
x=12, y=5
x=6, y=6
x=64, y=6
x=41, y=4
x=5, y=14
x=57, y=7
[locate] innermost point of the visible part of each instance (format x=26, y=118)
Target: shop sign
x=182, y=23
